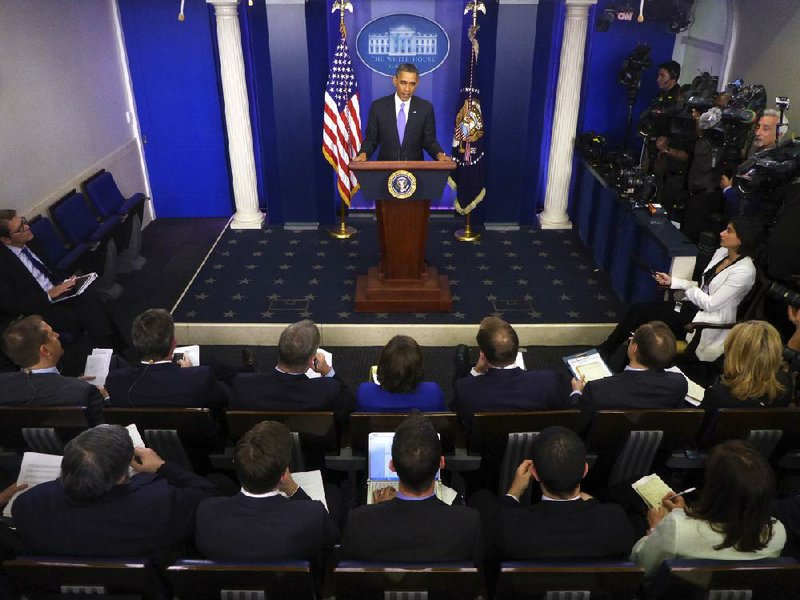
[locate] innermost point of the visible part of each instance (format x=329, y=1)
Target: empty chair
x=209, y=580
x=568, y=581
x=105, y=196
x=79, y=225
x=47, y=577
x=48, y=243
x=629, y=442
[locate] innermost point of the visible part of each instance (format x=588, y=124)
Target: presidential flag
x=467, y=181
x=341, y=128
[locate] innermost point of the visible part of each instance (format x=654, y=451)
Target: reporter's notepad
x=652, y=489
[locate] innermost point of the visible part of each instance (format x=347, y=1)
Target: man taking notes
x=401, y=124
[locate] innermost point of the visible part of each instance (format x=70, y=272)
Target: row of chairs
x=55, y=577
x=623, y=444
x=98, y=230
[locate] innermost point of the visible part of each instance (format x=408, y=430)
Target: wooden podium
x=402, y=282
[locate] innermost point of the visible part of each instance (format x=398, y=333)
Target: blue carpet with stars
x=276, y=275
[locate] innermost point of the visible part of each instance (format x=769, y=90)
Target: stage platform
x=252, y=283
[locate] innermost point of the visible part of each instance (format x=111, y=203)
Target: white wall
x=703, y=47
x=766, y=49
x=63, y=101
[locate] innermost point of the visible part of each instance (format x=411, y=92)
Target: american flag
x=341, y=127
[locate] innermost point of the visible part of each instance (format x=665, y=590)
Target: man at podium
x=401, y=124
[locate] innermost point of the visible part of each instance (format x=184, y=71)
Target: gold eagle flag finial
x=341, y=6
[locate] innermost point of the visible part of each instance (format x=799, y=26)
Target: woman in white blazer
x=727, y=279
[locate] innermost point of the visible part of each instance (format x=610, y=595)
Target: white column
x=237, y=116
x=565, y=118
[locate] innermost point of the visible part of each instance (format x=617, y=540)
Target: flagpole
x=343, y=231
x=467, y=234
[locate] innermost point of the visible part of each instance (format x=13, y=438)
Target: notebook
x=379, y=445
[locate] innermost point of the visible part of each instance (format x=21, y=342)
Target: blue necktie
x=401, y=122
x=38, y=265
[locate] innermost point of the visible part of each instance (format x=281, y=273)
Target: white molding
x=703, y=44
x=119, y=162
x=267, y=334
x=136, y=130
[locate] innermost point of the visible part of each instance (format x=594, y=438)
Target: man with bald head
x=496, y=383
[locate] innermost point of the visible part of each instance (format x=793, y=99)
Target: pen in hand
x=683, y=493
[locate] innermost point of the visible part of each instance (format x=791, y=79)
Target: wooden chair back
x=40, y=578
x=355, y=580
x=209, y=580
x=569, y=581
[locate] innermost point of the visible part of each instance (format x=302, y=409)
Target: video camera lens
x=783, y=293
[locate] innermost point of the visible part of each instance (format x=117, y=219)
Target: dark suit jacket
x=635, y=389
x=258, y=529
x=420, y=131
x=508, y=390
x=148, y=516
x=413, y=531
x=284, y=392
x=719, y=396
x=20, y=293
x=50, y=389
x=165, y=384
x=572, y=529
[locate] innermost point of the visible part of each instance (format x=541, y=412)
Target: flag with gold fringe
x=341, y=127
x=468, y=178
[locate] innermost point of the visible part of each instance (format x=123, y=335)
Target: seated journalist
x=260, y=523
x=95, y=508
x=411, y=524
x=401, y=388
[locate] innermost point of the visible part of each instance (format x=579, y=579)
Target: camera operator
x=705, y=197
x=668, y=158
x=767, y=134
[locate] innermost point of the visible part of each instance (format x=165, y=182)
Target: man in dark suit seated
x=566, y=523
x=412, y=524
x=30, y=286
x=158, y=380
x=287, y=387
x=497, y=384
x=401, y=124
x=260, y=523
x=643, y=383
x=36, y=349
x=95, y=509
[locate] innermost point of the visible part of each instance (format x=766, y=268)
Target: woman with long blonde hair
x=752, y=375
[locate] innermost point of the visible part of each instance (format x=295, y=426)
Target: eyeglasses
x=23, y=223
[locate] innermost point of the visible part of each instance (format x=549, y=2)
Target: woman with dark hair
x=727, y=279
x=731, y=521
x=401, y=388
x=752, y=375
